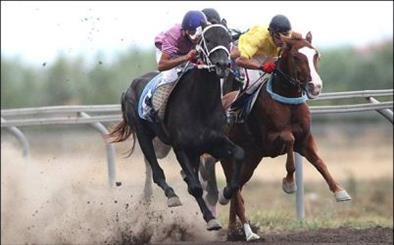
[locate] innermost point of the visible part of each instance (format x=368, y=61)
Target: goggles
x=194, y=35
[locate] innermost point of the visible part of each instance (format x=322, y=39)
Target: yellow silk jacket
x=257, y=41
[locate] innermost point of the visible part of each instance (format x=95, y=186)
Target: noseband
x=202, y=48
x=295, y=82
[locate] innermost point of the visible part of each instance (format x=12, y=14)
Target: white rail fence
x=63, y=115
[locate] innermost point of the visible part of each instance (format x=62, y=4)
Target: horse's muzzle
x=222, y=69
x=313, y=90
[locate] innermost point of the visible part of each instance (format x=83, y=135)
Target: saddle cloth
x=153, y=100
x=242, y=103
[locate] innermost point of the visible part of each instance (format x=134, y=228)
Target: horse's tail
x=121, y=131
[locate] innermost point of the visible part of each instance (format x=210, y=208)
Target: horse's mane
x=295, y=36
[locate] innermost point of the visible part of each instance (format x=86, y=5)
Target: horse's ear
x=224, y=22
x=204, y=24
x=309, y=37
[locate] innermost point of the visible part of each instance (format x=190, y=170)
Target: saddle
x=238, y=104
x=153, y=101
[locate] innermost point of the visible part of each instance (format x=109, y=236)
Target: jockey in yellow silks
x=259, y=47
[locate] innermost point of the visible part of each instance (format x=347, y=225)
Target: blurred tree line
x=72, y=81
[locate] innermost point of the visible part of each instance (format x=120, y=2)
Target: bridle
x=202, y=48
x=291, y=80
x=294, y=81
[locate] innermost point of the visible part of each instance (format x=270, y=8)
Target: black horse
x=193, y=124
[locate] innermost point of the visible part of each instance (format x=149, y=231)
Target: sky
x=40, y=31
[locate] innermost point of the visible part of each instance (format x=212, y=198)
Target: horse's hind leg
x=148, y=181
x=161, y=151
x=158, y=174
x=190, y=165
x=309, y=151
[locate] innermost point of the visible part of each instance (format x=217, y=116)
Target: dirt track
x=376, y=235
x=61, y=197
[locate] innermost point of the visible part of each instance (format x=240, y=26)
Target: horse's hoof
x=223, y=200
x=174, y=202
x=288, y=187
x=252, y=237
x=342, y=196
x=213, y=225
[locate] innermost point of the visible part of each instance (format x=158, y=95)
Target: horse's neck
x=204, y=89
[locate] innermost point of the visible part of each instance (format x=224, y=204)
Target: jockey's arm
x=243, y=61
x=167, y=63
x=248, y=63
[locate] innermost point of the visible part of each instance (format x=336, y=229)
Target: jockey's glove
x=268, y=67
x=192, y=55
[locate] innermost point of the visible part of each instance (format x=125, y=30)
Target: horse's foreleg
x=207, y=173
x=158, y=174
x=237, y=206
x=190, y=165
x=251, y=162
x=225, y=149
x=288, y=184
x=227, y=165
x=309, y=151
x=240, y=210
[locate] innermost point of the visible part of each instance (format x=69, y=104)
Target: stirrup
x=231, y=117
x=240, y=79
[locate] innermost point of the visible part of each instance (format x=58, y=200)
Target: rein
x=202, y=48
x=292, y=81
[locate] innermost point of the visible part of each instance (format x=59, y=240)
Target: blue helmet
x=193, y=19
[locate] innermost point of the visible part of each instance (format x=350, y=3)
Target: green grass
x=268, y=207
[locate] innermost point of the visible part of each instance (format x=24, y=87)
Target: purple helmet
x=193, y=19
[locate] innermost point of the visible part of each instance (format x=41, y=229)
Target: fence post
x=300, y=187
x=109, y=147
x=21, y=138
x=387, y=113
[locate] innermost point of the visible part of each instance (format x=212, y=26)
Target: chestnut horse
x=279, y=123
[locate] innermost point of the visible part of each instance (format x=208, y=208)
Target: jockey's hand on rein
x=268, y=67
x=192, y=55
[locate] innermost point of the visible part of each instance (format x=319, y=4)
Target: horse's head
x=214, y=48
x=300, y=61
